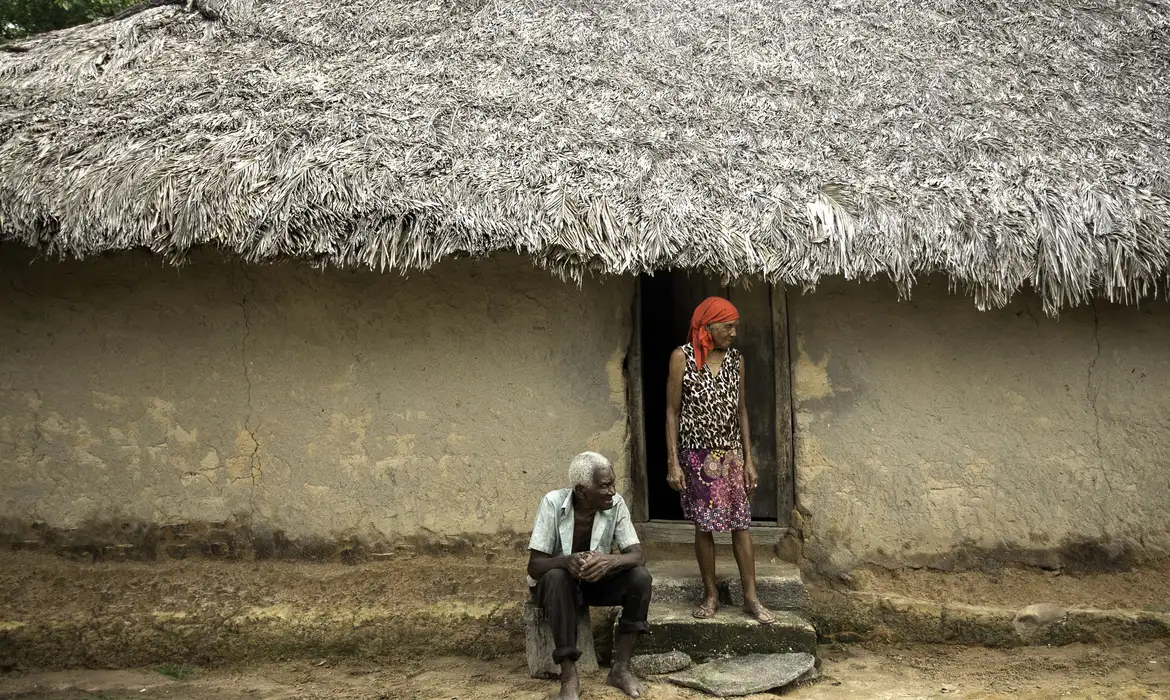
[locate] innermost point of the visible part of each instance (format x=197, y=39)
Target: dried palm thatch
x=1001, y=142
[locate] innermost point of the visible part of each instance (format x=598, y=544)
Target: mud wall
x=320, y=406
x=929, y=433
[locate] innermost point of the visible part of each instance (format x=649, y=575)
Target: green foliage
x=22, y=17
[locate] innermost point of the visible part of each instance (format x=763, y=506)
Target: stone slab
x=679, y=582
x=780, y=591
x=745, y=675
x=977, y=624
x=539, y=645
x=660, y=664
x=779, y=585
x=1034, y=618
x=730, y=633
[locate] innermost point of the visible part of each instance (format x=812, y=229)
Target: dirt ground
x=1143, y=588
x=880, y=672
x=445, y=605
x=33, y=581
x=68, y=614
x=37, y=582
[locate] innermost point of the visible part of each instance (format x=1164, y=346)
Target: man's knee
x=556, y=578
x=640, y=579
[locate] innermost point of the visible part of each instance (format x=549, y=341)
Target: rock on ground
x=1035, y=617
x=660, y=664
x=745, y=675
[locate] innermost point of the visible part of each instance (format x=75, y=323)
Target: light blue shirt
x=552, y=533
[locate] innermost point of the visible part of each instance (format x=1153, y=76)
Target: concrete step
x=730, y=633
x=779, y=585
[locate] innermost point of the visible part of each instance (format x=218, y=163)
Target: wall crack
x=1092, y=391
x=251, y=422
x=39, y=441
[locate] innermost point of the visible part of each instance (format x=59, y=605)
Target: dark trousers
x=561, y=596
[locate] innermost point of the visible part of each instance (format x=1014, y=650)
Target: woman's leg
x=705, y=553
x=745, y=559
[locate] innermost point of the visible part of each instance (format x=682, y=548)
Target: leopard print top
x=710, y=404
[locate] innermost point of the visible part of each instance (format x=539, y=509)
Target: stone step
x=730, y=633
x=779, y=585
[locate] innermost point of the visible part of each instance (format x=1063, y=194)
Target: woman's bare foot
x=570, y=682
x=621, y=678
x=758, y=612
x=706, y=611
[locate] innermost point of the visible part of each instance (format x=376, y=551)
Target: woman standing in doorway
x=708, y=444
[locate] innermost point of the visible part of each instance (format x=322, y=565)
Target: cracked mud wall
x=931, y=434
x=323, y=405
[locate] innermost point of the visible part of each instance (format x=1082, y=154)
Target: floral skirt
x=715, y=498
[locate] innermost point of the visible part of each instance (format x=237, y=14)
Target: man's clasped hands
x=590, y=566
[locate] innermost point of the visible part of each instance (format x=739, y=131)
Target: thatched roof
x=1001, y=142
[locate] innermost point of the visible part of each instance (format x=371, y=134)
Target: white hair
x=583, y=468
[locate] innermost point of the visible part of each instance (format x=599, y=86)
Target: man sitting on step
x=571, y=564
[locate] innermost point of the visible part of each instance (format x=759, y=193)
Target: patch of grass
x=178, y=672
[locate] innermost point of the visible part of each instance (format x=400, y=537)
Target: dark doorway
x=667, y=301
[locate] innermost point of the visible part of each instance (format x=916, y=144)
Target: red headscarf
x=712, y=310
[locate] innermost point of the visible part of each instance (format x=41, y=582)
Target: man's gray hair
x=584, y=466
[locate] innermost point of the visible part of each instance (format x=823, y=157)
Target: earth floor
x=881, y=672
x=1143, y=588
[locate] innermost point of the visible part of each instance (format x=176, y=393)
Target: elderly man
x=571, y=563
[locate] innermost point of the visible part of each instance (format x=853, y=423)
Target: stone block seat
x=539, y=646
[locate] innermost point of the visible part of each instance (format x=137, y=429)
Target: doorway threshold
x=683, y=532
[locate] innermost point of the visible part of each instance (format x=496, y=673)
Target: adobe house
x=430, y=250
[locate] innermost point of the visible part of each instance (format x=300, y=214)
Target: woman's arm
x=750, y=476
x=678, y=366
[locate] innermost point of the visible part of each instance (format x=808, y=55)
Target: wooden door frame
x=785, y=429
x=785, y=482
x=636, y=409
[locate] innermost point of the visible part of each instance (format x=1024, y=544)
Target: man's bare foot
x=757, y=610
x=570, y=682
x=706, y=611
x=621, y=678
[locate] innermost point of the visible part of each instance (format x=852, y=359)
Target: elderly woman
x=707, y=440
